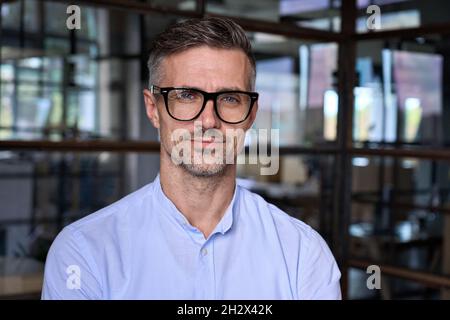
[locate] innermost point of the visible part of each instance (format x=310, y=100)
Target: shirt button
x=204, y=251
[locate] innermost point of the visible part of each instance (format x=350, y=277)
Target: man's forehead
x=227, y=67
x=207, y=51
x=204, y=59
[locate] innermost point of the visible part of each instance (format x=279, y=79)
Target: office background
x=363, y=114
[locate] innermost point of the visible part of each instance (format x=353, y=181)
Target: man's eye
x=186, y=95
x=230, y=99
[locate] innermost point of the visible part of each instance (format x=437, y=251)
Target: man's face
x=210, y=70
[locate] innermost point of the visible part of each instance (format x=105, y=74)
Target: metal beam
x=134, y=6
x=81, y=146
x=438, y=28
x=420, y=153
x=343, y=167
x=284, y=29
x=403, y=205
x=153, y=146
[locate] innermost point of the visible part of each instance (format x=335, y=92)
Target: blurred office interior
x=363, y=117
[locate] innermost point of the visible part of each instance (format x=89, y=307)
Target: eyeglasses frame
x=164, y=91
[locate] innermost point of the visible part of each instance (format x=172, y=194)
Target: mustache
x=205, y=136
x=210, y=135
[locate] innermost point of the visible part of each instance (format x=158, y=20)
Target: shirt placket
x=205, y=277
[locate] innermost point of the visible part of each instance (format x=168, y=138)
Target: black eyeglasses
x=186, y=104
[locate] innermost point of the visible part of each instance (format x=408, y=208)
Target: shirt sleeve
x=70, y=272
x=319, y=274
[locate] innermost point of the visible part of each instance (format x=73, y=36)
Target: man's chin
x=204, y=170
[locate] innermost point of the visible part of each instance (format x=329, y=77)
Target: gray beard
x=202, y=170
x=207, y=171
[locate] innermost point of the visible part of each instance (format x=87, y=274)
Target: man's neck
x=202, y=200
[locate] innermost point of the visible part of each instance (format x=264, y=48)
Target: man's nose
x=209, y=117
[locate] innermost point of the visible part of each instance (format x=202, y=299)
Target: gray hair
x=221, y=33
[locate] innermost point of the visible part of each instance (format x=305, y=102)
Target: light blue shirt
x=142, y=247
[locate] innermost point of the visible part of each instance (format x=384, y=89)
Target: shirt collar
x=224, y=224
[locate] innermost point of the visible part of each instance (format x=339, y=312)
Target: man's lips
x=206, y=142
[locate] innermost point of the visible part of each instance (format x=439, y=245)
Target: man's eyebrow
x=230, y=89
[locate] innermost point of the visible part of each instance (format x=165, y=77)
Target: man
x=194, y=233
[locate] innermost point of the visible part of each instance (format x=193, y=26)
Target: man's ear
x=151, y=108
